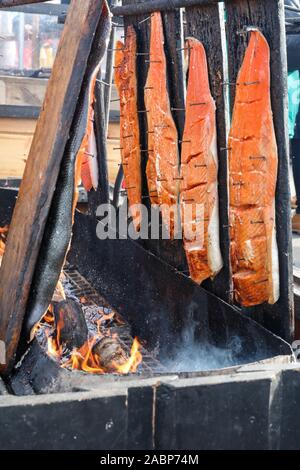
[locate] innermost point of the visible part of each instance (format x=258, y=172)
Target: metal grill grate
x=96, y=310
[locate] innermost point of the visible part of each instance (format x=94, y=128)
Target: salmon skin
x=126, y=82
x=199, y=171
x=58, y=230
x=253, y=162
x=163, y=154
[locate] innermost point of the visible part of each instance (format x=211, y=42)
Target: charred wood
x=70, y=326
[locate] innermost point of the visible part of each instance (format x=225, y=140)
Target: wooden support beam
x=41, y=172
x=49, y=9
x=269, y=17
x=207, y=24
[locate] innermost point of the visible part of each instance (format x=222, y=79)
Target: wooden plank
x=207, y=25
x=268, y=16
x=41, y=172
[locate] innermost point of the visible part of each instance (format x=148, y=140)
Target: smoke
x=192, y=355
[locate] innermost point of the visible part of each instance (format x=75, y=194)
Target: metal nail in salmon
x=199, y=171
x=163, y=160
x=253, y=161
x=58, y=231
x=126, y=82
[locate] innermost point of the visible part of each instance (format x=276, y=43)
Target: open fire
x=100, y=353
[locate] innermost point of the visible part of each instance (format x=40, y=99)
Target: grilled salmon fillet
x=253, y=161
x=87, y=155
x=125, y=79
x=199, y=171
x=163, y=157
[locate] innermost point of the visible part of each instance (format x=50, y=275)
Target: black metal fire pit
x=154, y=408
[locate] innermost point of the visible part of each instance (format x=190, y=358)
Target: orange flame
x=3, y=235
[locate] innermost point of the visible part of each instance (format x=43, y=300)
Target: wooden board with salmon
x=170, y=251
x=199, y=196
x=163, y=160
x=126, y=82
x=208, y=26
x=253, y=161
x=268, y=18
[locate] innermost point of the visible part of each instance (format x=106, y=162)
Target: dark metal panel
x=232, y=415
x=268, y=16
x=207, y=25
x=160, y=303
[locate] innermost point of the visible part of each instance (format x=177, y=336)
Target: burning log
x=71, y=330
x=110, y=354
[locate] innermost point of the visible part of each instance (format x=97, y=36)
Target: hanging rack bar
x=158, y=5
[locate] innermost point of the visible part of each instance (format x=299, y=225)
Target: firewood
x=71, y=330
x=110, y=353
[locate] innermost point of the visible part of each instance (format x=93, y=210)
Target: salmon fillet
x=163, y=160
x=253, y=161
x=87, y=156
x=199, y=172
x=125, y=79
